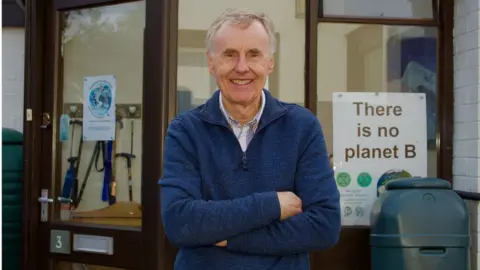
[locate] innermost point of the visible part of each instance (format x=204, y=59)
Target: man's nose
x=242, y=65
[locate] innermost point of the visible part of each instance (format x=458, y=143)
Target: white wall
x=466, y=145
x=13, y=52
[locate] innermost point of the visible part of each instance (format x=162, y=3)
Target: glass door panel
x=98, y=158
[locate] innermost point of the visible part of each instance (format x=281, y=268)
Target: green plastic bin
x=419, y=224
x=12, y=198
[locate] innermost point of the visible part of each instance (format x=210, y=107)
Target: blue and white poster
x=99, y=108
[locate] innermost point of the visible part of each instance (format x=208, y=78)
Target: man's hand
x=290, y=204
x=221, y=244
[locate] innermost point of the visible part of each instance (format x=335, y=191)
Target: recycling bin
x=12, y=194
x=419, y=224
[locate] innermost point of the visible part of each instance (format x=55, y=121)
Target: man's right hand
x=290, y=204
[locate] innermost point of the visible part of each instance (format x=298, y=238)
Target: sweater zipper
x=244, y=160
x=244, y=153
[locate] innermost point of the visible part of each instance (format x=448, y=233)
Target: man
x=247, y=182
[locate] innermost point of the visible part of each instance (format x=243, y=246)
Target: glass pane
x=413, y=9
x=195, y=85
x=102, y=53
x=376, y=58
x=81, y=266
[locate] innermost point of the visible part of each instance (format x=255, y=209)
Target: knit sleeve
x=318, y=226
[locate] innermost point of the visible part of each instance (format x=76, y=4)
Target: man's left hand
x=221, y=244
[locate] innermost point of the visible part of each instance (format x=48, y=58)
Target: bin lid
x=11, y=136
x=416, y=183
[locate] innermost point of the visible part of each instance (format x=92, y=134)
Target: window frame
x=435, y=20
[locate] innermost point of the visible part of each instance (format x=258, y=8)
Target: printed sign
x=99, y=108
x=376, y=137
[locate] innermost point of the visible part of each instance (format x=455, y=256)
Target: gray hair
x=238, y=16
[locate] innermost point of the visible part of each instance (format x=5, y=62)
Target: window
x=195, y=85
x=408, y=9
x=377, y=58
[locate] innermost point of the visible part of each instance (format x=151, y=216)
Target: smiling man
x=247, y=182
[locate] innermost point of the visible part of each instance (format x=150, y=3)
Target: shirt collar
x=255, y=119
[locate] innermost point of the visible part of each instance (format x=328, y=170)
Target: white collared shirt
x=244, y=133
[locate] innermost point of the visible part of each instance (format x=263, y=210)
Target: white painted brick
x=467, y=41
x=467, y=167
x=467, y=95
x=466, y=131
x=472, y=21
x=465, y=77
x=466, y=59
x=466, y=113
x=466, y=183
x=466, y=163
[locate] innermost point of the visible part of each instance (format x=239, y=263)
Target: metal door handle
x=50, y=200
x=45, y=200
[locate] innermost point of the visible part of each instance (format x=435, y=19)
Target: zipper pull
x=244, y=161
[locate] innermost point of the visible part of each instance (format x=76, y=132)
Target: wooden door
x=91, y=172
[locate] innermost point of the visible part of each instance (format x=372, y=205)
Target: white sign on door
x=99, y=119
x=376, y=137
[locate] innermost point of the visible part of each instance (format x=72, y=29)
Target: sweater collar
x=212, y=113
x=253, y=122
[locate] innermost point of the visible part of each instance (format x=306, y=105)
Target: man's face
x=241, y=61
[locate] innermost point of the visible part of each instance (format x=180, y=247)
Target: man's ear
x=271, y=64
x=210, y=62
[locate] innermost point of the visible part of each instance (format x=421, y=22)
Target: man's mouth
x=241, y=82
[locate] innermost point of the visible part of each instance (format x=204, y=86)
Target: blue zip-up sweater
x=213, y=191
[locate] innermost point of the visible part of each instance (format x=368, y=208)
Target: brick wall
x=13, y=52
x=466, y=163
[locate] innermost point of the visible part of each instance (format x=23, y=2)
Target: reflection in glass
x=195, y=85
x=376, y=58
x=413, y=9
x=102, y=41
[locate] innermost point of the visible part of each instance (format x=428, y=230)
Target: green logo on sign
x=343, y=179
x=364, y=179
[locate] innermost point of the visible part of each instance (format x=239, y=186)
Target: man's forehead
x=242, y=36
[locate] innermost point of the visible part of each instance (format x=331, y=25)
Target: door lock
x=45, y=120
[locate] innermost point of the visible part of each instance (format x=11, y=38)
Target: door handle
x=50, y=200
x=44, y=200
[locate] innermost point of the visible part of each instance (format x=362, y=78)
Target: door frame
x=42, y=83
